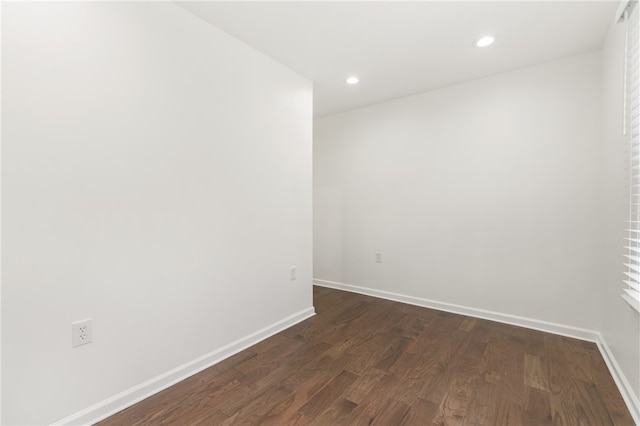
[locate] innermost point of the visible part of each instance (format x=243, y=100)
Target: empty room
x=320, y=213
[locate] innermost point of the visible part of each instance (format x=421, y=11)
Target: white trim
x=635, y=304
x=125, y=399
x=619, y=16
x=629, y=397
x=632, y=401
x=549, y=327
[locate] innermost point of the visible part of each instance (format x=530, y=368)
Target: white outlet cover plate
x=81, y=333
x=292, y=273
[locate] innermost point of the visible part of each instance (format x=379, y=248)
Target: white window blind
x=632, y=129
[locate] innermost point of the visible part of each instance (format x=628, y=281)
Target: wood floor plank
x=475, y=348
x=577, y=357
x=421, y=412
x=337, y=412
x=375, y=402
x=591, y=402
x=537, y=408
x=462, y=381
x=417, y=373
x=504, y=360
x=557, y=363
x=393, y=413
x=483, y=407
x=393, y=352
x=534, y=373
x=256, y=410
x=362, y=360
x=574, y=404
x=608, y=391
x=305, y=385
x=210, y=417
x=360, y=389
x=467, y=324
x=508, y=413
x=328, y=394
x=534, y=343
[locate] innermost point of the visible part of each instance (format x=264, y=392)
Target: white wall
x=156, y=177
x=485, y=194
x=620, y=326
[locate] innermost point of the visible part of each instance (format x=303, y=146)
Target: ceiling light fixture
x=485, y=41
x=353, y=80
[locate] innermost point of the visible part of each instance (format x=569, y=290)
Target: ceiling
x=401, y=48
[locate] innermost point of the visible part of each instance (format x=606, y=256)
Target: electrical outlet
x=81, y=333
x=378, y=257
x=292, y=273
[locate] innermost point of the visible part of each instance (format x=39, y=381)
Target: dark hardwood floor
x=363, y=361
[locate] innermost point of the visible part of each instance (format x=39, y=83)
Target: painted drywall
x=156, y=177
x=484, y=194
x=620, y=325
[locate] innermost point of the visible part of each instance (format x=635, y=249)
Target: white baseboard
x=549, y=327
x=631, y=399
x=624, y=387
x=125, y=399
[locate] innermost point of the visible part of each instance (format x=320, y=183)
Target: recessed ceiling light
x=353, y=80
x=485, y=41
